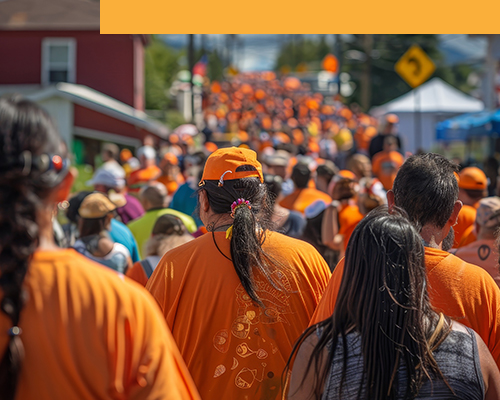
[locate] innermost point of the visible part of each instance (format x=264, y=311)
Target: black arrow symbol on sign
x=418, y=66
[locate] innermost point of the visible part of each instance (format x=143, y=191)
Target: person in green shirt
x=153, y=198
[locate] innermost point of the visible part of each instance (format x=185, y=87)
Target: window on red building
x=58, y=60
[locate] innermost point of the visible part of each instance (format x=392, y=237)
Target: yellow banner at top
x=294, y=17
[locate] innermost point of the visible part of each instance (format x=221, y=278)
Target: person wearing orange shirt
x=148, y=171
x=483, y=251
x=303, y=196
x=473, y=186
x=426, y=188
x=238, y=297
x=342, y=215
x=171, y=174
x=69, y=328
x=387, y=162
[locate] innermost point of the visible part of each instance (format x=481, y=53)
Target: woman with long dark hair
x=383, y=340
x=69, y=328
x=237, y=297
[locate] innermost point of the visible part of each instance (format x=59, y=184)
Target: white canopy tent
x=428, y=104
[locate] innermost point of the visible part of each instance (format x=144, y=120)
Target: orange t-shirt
x=89, y=333
x=136, y=272
x=349, y=217
x=141, y=177
x=484, y=254
x=300, y=199
x=233, y=348
x=463, y=291
x=466, y=219
x=171, y=184
x=385, y=166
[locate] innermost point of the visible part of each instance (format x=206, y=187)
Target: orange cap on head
x=472, y=178
x=170, y=158
x=392, y=118
x=346, y=174
x=211, y=146
x=222, y=164
x=125, y=155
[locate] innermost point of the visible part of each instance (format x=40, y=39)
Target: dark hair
x=249, y=227
x=383, y=297
x=274, y=185
x=426, y=188
x=301, y=174
x=74, y=204
x=94, y=226
x=28, y=140
x=475, y=194
x=168, y=224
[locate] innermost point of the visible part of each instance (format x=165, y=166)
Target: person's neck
x=219, y=222
x=432, y=237
x=45, y=229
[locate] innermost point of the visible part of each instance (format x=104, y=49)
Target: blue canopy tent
x=466, y=126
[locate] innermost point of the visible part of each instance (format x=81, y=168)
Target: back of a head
x=274, y=185
x=383, y=294
x=301, y=174
x=426, y=188
x=472, y=181
x=234, y=185
x=168, y=224
x=155, y=194
x=111, y=151
x=32, y=163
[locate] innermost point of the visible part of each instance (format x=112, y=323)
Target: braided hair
x=29, y=144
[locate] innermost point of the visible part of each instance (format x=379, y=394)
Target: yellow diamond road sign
x=415, y=67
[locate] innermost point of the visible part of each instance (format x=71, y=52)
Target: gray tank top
x=457, y=358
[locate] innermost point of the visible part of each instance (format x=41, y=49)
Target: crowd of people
x=289, y=249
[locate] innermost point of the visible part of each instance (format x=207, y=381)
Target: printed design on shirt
x=253, y=322
x=244, y=351
x=483, y=252
x=219, y=370
x=246, y=377
x=221, y=340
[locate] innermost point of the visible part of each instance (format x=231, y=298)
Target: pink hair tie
x=239, y=203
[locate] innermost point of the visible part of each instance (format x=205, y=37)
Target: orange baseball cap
x=472, y=178
x=392, y=118
x=221, y=165
x=346, y=174
x=169, y=158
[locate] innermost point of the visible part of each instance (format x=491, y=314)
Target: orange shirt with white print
x=464, y=292
x=233, y=348
x=90, y=333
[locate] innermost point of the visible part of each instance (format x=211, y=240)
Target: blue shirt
x=185, y=200
x=119, y=233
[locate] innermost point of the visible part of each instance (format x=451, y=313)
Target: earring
x=63, y=205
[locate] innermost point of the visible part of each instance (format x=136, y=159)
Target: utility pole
x=366, y=80
x=337, y=51
x=191, y=67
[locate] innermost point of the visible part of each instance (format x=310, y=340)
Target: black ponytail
x=27, y=137
x=249, y=229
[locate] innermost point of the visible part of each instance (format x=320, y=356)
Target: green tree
x=215, y=68
x=161, y=68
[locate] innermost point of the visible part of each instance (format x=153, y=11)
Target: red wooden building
x=51, y=51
